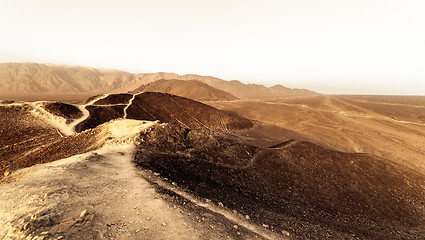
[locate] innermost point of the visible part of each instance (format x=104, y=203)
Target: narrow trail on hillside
x=101, y=195
x=61, y=124
x=128, y=105
x=85, y=112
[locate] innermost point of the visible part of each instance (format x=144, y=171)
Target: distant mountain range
x=21, y=79
x=192, y=89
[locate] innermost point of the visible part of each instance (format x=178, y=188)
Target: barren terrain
x=388, y=126
x=159, y=166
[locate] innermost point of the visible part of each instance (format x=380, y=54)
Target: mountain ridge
x=18, y=80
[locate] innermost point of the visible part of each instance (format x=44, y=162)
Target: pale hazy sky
x=331, y=46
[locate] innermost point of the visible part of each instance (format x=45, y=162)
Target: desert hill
x=192, y=89
x=294, y=189
x=35, y=81
x=31, y=137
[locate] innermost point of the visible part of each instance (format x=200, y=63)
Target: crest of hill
x=192, y=89
x=19, y=81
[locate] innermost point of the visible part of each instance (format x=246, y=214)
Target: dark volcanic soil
x=121, y=98
x=64, y=110
x=309, y=191
x=99, y=115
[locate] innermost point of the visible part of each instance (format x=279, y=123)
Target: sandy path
x=47, y=200
x=105, y=183
x=64, y=128
x=128, y=105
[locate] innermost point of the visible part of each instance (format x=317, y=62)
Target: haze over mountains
x=23, y=80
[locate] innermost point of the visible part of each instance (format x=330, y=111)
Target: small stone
x=286, y=233
x=220, y=204
x=247, y=217
x=164, y=224
x=239, y=233
x=235, y=226
x=265, y=225
x=84, y=213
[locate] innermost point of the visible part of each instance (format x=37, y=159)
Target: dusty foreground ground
x=101, y=195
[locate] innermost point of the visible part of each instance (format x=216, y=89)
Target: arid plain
x=389, y=126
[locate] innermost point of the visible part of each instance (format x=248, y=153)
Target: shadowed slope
x=192, y=89
x=305, y=189
x=99, y=115
x=64, y=110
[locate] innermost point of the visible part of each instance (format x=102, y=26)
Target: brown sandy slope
x=20, y=134
x=300, y=188
x=192, y=89
x=34, y=81
x=390, y=127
